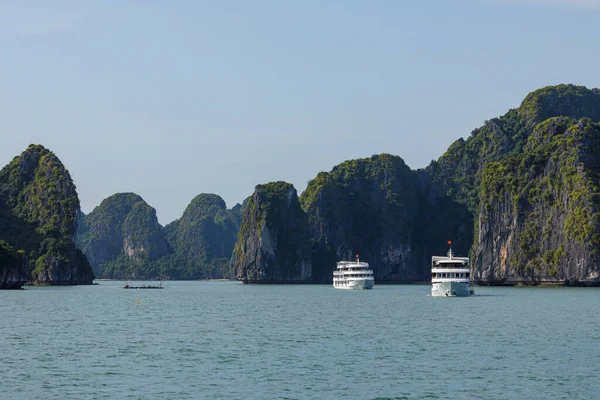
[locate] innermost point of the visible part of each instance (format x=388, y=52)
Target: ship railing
x=439, y=258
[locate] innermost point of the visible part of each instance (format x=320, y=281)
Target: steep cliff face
x=273, y=243
x=204, y=237
x=456, y=180
x=38, y=215
x=371, y=207
x=539, y=218
x=454, y=193
x=14, y=268
x=122, y=237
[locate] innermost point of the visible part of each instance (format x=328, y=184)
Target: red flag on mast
x=449, y=241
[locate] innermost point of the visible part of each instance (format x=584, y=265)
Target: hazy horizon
x=170, y=100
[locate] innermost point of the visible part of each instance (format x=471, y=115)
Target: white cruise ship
x=353, y=275
x=450, y=276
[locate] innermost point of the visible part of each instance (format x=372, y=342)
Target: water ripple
x=225, y=340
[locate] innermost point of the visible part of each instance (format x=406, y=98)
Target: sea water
x=226, y=340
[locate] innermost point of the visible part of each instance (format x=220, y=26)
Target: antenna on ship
x=450, y=251
x=357, y=259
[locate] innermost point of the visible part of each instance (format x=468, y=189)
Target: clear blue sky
x=170, y=99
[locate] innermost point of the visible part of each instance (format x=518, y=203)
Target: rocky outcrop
x=204, y=237
x=539, y=217
x=273, y=245
x=520, y=195
x=39, y=208
x=371, y=207
x=121, y=237
x=14, y=268
x=454, y=193
x=504, y=208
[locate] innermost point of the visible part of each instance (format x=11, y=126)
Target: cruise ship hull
x=358, y=284
x=450, y=289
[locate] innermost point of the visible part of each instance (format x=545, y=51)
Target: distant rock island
x=520, y=196
x=123, y=239
x=39, y=208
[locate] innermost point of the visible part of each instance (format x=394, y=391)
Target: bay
x=226, y=340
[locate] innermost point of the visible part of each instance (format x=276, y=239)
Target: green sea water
x=226, y=340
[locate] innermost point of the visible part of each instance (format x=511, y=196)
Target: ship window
x=467, y=274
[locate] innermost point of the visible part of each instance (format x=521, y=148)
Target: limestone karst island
x=520, y=195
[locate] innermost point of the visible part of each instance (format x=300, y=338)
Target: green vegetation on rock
x=372, y=207
x=14, y=271
x=122, y=238
x=8, y=256
x=521, y=196
x=204, y=237
x=528, y=181
x=551, y=195
x=39, y=208
x=273, y=242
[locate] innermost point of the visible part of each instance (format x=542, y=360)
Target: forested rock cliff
x=204, y=237
x=522, y=184
x=39, y=208
x=519, y=196
x=372, y=207
x=273, y=243
x=122, y=237
x=539, y=214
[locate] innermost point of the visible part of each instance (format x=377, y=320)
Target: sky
x=169, y=99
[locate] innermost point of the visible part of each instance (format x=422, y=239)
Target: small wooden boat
x=128, y=286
